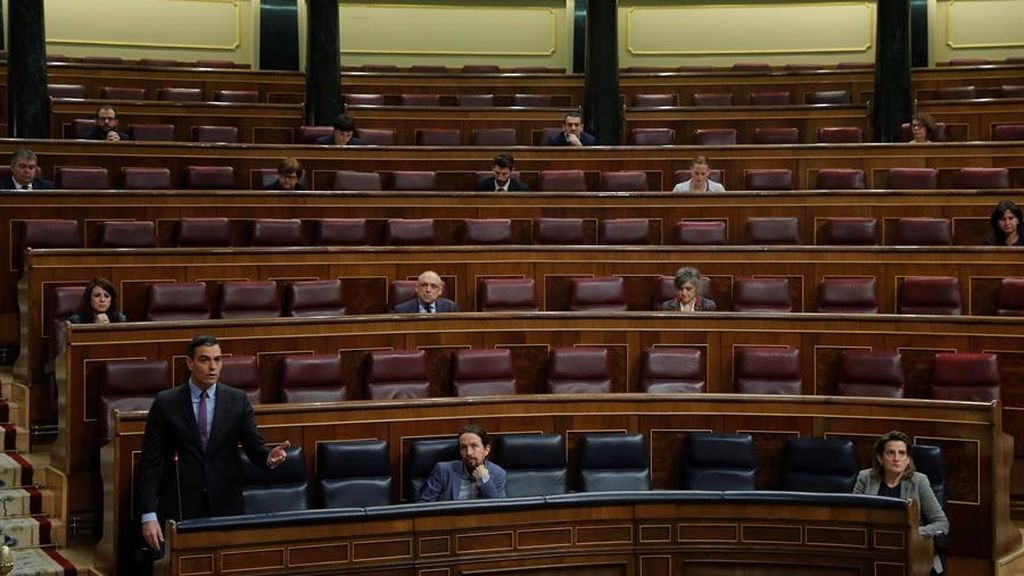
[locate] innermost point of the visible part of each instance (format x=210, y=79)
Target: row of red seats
x=403, y=374
x=937, y=295
x=158, y=62
x=168, y=94
x=215, y=232
x=223, y=177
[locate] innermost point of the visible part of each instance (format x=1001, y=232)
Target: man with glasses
x=106, y=126
x=428, y=300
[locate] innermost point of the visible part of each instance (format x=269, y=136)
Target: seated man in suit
x=24, y=173
x=289, y=172
x=106, y=126
x=572, y=133
x=343, y=134
x=502, y=181
x=429, y=287
x=471, y=477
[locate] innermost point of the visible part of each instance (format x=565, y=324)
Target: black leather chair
x=819, y=465
x=719, y=462
x=613, y=462
x=534, y=463
x=353, y=474
x=283, y=489
x=420, y=460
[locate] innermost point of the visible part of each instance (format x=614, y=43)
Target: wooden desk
x=646, y=533
x=970, y=435
x=970, y=120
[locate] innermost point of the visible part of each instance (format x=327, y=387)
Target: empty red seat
x=128, y=385
x=768, y=179
x=840, y=135
x=224, y=134
x=847, y=296
x=507, y=295
x=364, y=99
x=138, y=178
x=248, y=299
x=912, y=178
x=209, y=177
x=126, y=234
x=761, y=295
x=855, y=65
x=399, y=291
x=237, y=96
x=871, y=373
x=122, y=93
x=409, y=232
x=983, y=178
x=542, y=137
x=709, y=99
x=624, y=181
x=1011, y=91
x=495, y=137
x=47, y=233
x=172, y=301
x=65, y=90
x=715, y=137
x=59, y=304
x=829, y=97
x=312, y=378
x=652, y=136
x=487, y=231
x=968, y=377
x=103, y=60
x=1010, y=299
x=310, y=134
x=924, y=232
x=428, y=69
x=649, y=100
x=559, y=231
x=475, y=100
x=776, y=136
x=348, y=180
x=701, y=232
x=956, y=93
x=340, y=231
x=802, y=67
x=929, y=295
x=438, y=137
x=394, y=374
x=376, y=136
x=532, y=100
x=624, y=231
x=163, y=62
x=687, y=68
x=483, y=372
x=82, y=178
x=81, y=128
x=579, y=370
x=849, y=232
x=413, y=180
x=381, y=68
x=1008, y=132
x=670, y=370
x=840, y=179
x=768, y=370
x=775, y=98
x=602, y=293
x=180, y=94
x=751, y=67
x=419, y=100
x=204, y=232
x=562, y=181
x=242, y=372
x=772, y=231
x=277, y=232
x=481, y=69
x=151, y=132
x=215, y=63
x=969, y=61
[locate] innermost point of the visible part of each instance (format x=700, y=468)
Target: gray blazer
x=914, y=487
x=446, y=478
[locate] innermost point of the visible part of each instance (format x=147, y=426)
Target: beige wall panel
x=978, y=29
x=454, y=33
x=719, y=34
x=177, y=29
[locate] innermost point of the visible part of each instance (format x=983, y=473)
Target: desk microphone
x=177, y=477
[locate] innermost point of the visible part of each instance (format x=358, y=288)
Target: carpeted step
x=15, y=470
x=26, y=532
x=41, y=562
x=13, y=438
x=14, y=502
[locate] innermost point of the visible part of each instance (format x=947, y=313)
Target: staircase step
x=15, y=470
x=46, y=561
x=27, y=532
x=16, y=502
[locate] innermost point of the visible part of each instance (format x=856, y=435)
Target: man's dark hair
x=198, y=341
x=477, y=429
x=344, y=124
x=504, y=161
x=572, y=114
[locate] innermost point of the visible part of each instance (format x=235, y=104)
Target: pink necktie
x=204, y=434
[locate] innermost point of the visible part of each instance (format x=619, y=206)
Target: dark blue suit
x=412, y=306
x=329, y=140
x=446, y=479
x=560, y=140
x=7, y=183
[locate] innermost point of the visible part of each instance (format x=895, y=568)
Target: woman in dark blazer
x=98, y=305
x=688, y=293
